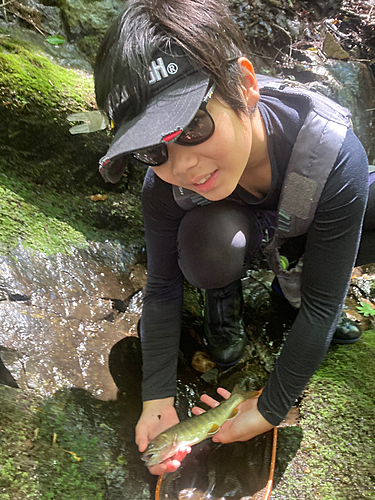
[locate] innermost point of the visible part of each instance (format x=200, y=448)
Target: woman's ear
x=249, y=85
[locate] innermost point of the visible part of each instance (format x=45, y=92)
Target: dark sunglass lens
x=199, y=129
x=112, y=171
x=153, y=156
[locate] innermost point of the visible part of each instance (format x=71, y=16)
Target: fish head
x=159, y=449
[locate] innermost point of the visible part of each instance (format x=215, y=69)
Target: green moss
x=337, y=455
x=29, y=77
x=52, y=222
x=46, y=174
x=67, y=447
x=22, y=221
x=35, y=438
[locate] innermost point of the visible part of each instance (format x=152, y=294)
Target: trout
x=195, y=429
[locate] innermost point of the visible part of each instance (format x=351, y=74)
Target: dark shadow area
x=216, y=471
x=212, y=470
x=366, y=249
x=288, y=442
x=70, y=446
x=6, y=378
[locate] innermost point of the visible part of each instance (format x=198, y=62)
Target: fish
x=195, y=429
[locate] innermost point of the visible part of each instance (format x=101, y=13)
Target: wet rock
x=49, y=16
x=12, y=284
x=351, y=84
x=84, y=16
x=138, y=275
x=202, y=362
x=211, y=376
x=6, y=378
x=62, y=334
x=361, y=291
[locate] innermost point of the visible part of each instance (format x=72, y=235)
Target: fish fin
x=233, y=414
x=175, y=440
x=245, y=394
x=214, y=429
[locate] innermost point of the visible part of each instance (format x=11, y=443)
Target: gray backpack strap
x=314, y=153
x=188, y=199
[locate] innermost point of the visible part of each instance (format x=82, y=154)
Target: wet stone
x=77, y=309
x=12, y=284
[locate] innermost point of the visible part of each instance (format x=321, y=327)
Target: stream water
x=69, y=323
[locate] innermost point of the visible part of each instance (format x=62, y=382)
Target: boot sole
x=228, y=365
x=339, y=341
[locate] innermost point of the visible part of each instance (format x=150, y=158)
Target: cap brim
x=166, y=113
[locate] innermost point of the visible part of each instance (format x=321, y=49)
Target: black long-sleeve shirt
x=331, y=247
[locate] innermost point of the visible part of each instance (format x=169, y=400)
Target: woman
x=173, y=78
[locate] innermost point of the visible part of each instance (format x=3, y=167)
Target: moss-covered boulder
x=335, y=460
x=67, y=447
x=47, y=176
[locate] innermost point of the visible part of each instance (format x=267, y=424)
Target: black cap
x=177, y=89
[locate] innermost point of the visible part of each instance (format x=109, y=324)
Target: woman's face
x=213, y=168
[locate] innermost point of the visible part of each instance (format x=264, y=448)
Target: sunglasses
x=199, y=130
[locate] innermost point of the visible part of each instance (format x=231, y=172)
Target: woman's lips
x=208, y=183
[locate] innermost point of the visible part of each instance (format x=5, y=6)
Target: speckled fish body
x=195, y=429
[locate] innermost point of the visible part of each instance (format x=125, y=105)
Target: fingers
x=167, y=466
x=182, y=453
x=205, y=398
x=158, y=470
x=142, y=445
x=224, y=393
x=141, y=437
x=170, y=465
x=211, y=401
x=173, y=465
x=196, y=410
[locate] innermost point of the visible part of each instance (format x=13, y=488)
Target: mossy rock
x=36, y=96
x=66, y=447
x=335, y=460
x=86, y=22
x=47, y=175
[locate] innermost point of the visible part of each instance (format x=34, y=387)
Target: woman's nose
x=181, y=158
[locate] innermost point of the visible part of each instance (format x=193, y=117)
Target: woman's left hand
x=248, y=423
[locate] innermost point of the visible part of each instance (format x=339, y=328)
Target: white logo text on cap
x=159, y=71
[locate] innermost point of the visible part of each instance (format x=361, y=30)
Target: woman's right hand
x=157, y=416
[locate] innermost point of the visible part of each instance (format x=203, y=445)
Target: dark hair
x=203, y=28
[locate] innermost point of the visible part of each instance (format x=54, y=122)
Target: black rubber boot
x=224, y=330
x=347, y=331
